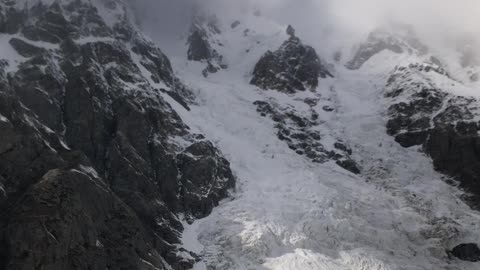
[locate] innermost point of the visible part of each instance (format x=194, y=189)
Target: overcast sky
x=436, y=20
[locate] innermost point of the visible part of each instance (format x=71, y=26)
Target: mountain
x=96, y=164
x=242, y=148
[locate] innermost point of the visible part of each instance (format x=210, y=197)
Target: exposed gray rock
x=201, y=43
x=293, y=67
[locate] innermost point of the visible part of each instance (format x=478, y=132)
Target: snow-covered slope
x=289, y=212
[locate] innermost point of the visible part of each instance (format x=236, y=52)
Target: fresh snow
x=8, y=53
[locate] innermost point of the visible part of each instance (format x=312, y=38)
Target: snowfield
x=289, y=213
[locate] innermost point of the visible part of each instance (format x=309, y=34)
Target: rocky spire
x=290, y=31
x=293, y=67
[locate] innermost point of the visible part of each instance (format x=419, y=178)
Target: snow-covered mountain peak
x=394, y=38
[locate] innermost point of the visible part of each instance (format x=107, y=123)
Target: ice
x=288, y=213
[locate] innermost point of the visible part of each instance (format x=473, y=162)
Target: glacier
x=290, y=213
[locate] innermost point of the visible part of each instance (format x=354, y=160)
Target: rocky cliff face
x=293, y=67
x=95, y=165
x=428, y=108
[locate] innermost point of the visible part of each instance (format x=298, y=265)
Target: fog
x=329, y=21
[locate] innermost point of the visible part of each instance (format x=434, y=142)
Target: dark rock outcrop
x=201, y=44
x=25, y=49
x=293, y=67
x=445, y=125
x=72, y=220
x=467, y=252
x=400, y=39
x=302, y=136
x=95, y=165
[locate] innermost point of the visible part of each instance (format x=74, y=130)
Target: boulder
x=467, y=252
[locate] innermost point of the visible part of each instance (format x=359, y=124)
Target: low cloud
x=333, y=21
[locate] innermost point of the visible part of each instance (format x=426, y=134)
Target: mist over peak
x=326, y=21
